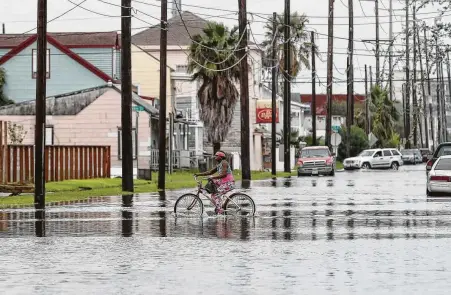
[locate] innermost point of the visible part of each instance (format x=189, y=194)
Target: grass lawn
x=79, y=190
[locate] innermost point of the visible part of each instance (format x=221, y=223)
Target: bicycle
x=192, y=203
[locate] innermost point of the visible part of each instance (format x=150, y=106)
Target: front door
x=377, y=160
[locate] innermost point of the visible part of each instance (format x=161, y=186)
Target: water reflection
x=39, y=224
x=127, y=215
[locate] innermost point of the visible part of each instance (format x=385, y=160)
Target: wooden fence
x=60, y=162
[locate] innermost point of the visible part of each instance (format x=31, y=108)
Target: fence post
x=2, y=171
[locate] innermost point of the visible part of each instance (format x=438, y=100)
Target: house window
x=181, y=68
x=34, y=62
x=49, y=135
x=135, y=146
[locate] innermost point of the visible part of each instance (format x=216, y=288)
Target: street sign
x=138, y=108
x=335, y=139
x=372, y=139
x=336, y=129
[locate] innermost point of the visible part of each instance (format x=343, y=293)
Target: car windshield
x=407, y=152
x=444, y=151
x=367, y=153
x=443, y=164
x=314, y=153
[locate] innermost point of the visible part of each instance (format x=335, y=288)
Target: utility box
x=145, y=174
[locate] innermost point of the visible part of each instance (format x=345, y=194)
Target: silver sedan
x=439, y=178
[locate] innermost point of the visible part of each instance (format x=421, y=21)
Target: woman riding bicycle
x=224, y=180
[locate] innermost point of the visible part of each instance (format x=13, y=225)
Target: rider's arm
x=212, y=171
x=223, y=171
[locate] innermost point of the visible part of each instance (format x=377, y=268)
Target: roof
x=16, y=50
x=315, y=147
x=65, y=104
x=177, y=34
x=71, y=103
x=68, y=39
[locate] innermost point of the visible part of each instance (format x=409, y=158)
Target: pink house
x=90, y=117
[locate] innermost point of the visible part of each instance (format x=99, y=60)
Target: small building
x=75, y=61
x=89, y=117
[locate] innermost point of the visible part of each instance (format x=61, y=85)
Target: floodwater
x=371, y=232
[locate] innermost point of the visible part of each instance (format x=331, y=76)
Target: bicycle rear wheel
x=189, y=205
x=239, y=204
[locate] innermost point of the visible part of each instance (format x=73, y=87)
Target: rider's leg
x=218, y=202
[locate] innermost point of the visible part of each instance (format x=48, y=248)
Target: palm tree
x=385, y=115
x=300, y=45
x=213, y=62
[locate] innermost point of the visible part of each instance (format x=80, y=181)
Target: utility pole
x=287, y=89
x=162, y=113
x=244, y=92
x=390, y=51
x=437, y=67
x=41, y=89
x=126, y=89
x=330, y=54
x=313, y=105
x=371, y=79
x=367, y=105
x=449, y=91
x=350, y=111
x=414, y=84
x=3, y=29
x=376, y=10
x=431, y=117
x=407, y=126
x=425, y=113
x=274, y=96
x=442, y=81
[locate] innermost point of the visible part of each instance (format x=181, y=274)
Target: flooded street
x=362, y=232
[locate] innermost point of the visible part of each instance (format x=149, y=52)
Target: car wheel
x=332, y=173
x=428, y=193
x=366, y=166
x=394, y=166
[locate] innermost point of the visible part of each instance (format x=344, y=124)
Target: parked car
x=439, y=178
x=316, y=160
x=425, y=154
x=411, y=156
x=375, y=159
x=443, y=149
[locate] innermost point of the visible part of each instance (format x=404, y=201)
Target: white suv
x=375, y=159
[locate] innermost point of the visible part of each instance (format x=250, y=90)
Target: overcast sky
x=20, y=16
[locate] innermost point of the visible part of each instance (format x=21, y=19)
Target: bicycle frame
x=201, y=191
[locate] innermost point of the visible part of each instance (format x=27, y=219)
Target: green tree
x=358, y=142
x=3, y=99
x=384, y=115
x=213, y=62
x=300, y=45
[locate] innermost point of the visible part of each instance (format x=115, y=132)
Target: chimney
x=176, y=4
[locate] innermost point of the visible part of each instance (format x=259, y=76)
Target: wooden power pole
x=330, y=54
x=367, y=104
x=274, y=97
x=423, y=91
x=350, y=111
x=126, y=78
x=414, y=82
x=407, y=97
x=287, y=89
x=428, y=68
x=163, y=100
x=244, y=93
x=41, y=89
x=313, y=105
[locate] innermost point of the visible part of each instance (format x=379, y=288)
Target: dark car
x=443, y=149
x=425, y=154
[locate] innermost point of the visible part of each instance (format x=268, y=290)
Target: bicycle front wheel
x=239, y=204
x=189, y=205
